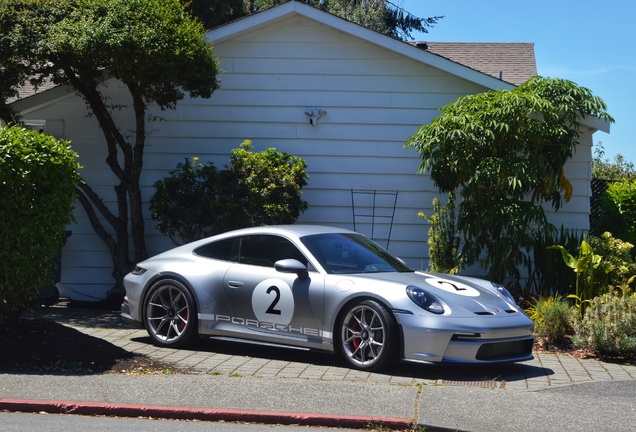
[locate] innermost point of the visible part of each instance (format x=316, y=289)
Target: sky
x=592, y=43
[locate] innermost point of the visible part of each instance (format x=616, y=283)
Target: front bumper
x=467, y=340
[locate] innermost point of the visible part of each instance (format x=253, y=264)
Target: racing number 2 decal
x=273, y=301
x=270, y=309
x=453, y=287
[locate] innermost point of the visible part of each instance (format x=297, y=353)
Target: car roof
x=293, y=230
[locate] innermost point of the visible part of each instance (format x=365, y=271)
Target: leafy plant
x=609, y=324
x=504, y=151
x=618, y=210
x=257, y=188
x=548, y=273
x=584, y=266
x=617, y=265
x=443, y=238
x=552, y=317
x=38, y=177
x=157, y=53
x=268, y=185
x=619, y=169
x=189, y=204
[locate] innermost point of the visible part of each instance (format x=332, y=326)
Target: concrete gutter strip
x=205, y=414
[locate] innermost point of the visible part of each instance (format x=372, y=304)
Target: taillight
x=138, y=271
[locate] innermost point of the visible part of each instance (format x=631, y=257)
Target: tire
x=170, y=314
x=367, y=336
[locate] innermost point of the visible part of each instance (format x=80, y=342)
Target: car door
x=280, y=305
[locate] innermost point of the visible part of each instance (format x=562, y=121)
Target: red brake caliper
x=184, y=321
x=356, y=342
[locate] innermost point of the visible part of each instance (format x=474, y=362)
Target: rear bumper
x=125, y=315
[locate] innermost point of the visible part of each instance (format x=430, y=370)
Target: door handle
x=235, y=284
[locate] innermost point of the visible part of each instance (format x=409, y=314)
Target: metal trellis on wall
x=374, y=207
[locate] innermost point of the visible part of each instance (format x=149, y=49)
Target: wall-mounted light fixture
x=314, y=115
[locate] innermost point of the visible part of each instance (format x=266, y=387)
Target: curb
x=206, y=414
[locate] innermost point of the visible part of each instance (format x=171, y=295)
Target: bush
x=188, y=205
x=609, y=324
x=38, y=176
x=618, y=210
x=443, y=237
x=198, y=201
x=548, y=273
x=552, y=317
x=617, y=265
x=268, y=185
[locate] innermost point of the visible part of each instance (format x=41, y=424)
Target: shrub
x=548, y=273
x=268, y=185
x=617, y=265
x=443, y=237
x=552, y=317
x=188, y=205
x=198, y=200
x=618, y=210
x=38, y=176
x=609, y=324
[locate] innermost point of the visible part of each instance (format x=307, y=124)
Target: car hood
x=473, y=295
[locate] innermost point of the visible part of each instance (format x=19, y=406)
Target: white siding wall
x=374, y=99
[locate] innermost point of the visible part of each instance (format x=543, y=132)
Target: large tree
x=383, y=16
x=153, y=47
x=504, y=152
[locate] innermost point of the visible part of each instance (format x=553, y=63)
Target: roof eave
x=292, y=8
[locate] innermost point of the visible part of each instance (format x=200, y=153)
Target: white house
x=341, y=96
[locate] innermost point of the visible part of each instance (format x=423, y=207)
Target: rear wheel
x=367, y=336
x=170, y=315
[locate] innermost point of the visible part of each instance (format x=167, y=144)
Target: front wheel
x=170, y=314
x=367, y=336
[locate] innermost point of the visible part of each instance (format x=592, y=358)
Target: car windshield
x=351, y=253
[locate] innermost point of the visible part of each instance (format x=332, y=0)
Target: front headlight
x=504, y=292
x=425, y=300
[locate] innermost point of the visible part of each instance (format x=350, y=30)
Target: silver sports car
x=323, y=288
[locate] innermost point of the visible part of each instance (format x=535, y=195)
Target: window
x=265, y=250
x=224, y=250
x=260, y=250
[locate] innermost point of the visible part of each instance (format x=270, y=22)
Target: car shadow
x=509, y=372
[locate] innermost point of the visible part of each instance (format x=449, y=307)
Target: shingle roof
x=28, y=90
x=515, y=61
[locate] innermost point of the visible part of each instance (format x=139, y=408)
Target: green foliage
x=547, y=271
x=584, y=266
x=153, y=47
x=269, y=185
x=380, y=15
x=443, y=238
x=504, y=152
x=604, y=169
x=617, y=265
x=198, y=201
x=187, y=204
x=552, y=317
x=618, y=210
x=609, y=324
x=38, y=176
x=214, y=13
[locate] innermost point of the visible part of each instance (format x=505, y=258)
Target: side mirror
x=292, y=266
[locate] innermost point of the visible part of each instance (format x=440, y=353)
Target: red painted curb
x=208, y=414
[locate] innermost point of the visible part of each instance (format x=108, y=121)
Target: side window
x=265, y=250
x=224, y=250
